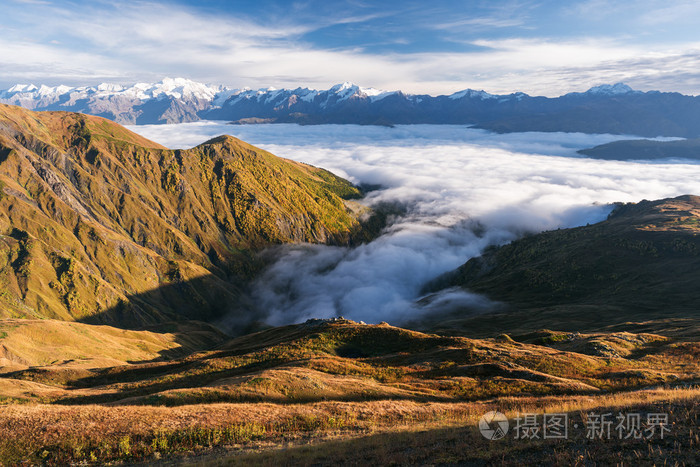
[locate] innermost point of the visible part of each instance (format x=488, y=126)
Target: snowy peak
x=170, y=100
x=470, y=93
x=289, y=97
x=186, y=90
x=610, y=89
x=344, y=88
x=29, y=92
x=347, y=90
x=177, y=88
x=271, y=95
x=176, y=100
x=108, y=87
x=21, y=88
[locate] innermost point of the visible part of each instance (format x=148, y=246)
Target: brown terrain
x=118, y=256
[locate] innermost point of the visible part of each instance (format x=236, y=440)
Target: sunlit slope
x=346, y=361
x=70, y=346
x=100, y=224
x=642, y=263
x=336, y=378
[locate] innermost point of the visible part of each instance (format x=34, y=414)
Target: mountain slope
x=616, y=109
x=98, y=223
x=643, y=263
x=71, y=348
x=342, y=360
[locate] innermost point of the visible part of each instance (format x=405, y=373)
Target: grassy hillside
x=641, y=264
x=343, y=360
x=69, y=346
x=100, y=225
x=330, y=378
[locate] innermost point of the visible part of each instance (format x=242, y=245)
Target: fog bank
x=465, y=189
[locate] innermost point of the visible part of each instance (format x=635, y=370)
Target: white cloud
x=147, y=41
x=32, y=2
x=453, y=179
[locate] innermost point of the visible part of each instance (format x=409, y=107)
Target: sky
x=545, y=47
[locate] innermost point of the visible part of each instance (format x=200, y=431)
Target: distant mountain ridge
x=644, y=149
x=616, y=108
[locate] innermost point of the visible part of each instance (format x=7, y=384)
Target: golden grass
x=462, y=444
x=326, y=379
x=59, y=434
x=347, y=361
x=33, y=343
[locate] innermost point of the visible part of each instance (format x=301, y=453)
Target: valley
x=182, y=305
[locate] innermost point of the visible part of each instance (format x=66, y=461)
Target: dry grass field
x=324, y=391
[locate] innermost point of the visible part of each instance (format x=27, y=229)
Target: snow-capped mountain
x=611, y=89
x=178, y=88
x=615, y=108
x=168, y=101
x=606, y=90
x=177, y=99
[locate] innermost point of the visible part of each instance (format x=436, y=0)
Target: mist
x=463, y=189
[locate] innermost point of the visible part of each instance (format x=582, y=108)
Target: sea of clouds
x=463, y=189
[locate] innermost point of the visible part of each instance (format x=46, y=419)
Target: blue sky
x=434, y=47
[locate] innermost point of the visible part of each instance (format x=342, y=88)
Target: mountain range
x=615, y=109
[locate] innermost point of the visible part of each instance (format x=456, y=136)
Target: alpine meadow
x=217, y=249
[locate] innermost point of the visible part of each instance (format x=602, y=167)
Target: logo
x=493, y=425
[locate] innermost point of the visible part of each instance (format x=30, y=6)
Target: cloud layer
x=465, y=189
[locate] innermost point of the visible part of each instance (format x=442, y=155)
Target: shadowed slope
x=92, y=214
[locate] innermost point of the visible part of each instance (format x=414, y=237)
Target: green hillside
x=101, y=225
x=641, y=264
